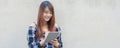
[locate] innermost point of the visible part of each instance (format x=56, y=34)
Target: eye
x=48, y=12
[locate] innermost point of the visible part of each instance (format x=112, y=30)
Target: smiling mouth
x=47, y=17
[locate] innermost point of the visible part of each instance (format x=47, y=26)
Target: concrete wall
x=84, y=23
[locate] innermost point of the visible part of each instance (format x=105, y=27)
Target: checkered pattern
x=34, y=43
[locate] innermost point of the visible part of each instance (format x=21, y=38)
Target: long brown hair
x=50, y=23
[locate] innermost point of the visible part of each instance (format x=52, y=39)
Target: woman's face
x=47, y=14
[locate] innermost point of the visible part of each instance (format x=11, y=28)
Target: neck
x=45, y=24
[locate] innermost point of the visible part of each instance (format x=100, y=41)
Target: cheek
x=44, y=14
x=50, y=15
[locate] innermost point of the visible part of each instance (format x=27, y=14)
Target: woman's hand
x=42, y=42
x=55, y=43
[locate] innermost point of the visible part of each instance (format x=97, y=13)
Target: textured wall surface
x=84, y=23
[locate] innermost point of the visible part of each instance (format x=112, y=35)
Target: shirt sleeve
x=32, y=43
x=58, y=29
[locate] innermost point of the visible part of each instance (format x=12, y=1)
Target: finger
x=51, y=42
x=54, y=39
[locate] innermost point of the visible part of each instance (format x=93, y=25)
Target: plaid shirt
x=34, y=43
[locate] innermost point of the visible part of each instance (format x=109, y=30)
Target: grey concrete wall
x=84, y=23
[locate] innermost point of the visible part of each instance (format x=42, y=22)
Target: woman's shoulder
x=57, y=27
x=32, y=26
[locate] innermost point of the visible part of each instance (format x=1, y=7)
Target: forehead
x=47, y=9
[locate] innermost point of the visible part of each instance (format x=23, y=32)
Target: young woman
x=45, y=23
